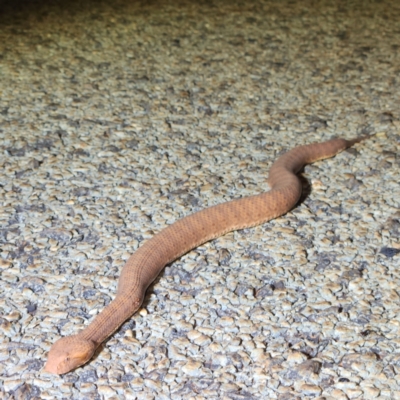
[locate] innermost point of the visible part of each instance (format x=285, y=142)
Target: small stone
x=5, y=264
x=309, y=367
x=13, y=316
x=87, y=387
x=175, y=353
x=43, y=383
x=137, y=383
x=228, y=387
x=371, y=392
x=12, y=384
x=198, y=338
x=308, y=390
x=66, y=387
x=184, y=326
x=227, y=321
x=153, y=385
x=106, y=391
x=338, y=394
x=353, y=393
x=352, y=361
x=220, y=360
x=389, y=252
x=215, y=347
x=296, y=357
x=192, y=368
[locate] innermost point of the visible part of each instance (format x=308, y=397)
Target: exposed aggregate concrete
x=118, y=119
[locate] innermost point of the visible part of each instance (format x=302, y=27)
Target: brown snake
x=177, y=239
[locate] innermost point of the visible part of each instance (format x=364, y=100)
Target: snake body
x=177, y=239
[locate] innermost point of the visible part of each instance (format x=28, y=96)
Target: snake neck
x=111, y=318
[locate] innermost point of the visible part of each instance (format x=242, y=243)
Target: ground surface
x=117, y=119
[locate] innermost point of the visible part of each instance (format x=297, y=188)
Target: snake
x=143, y=266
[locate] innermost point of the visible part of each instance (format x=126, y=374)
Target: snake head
x=69, y=353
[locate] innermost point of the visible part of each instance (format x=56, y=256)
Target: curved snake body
x=177, y=239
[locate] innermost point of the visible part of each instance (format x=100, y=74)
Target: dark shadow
x=307, y=188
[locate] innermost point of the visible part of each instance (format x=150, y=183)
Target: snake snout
x=69, y=353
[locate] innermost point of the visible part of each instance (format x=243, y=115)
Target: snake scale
x=177, y=239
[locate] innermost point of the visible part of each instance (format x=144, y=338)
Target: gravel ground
x=118, y=119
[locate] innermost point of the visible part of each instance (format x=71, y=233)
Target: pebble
x=153, y=385
x=309, y=390
x=338, y=394
x=137, y=383
x=198, y=338
x=192, y=368
x=106, y=391
x=371, y=392
x=12, y=384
